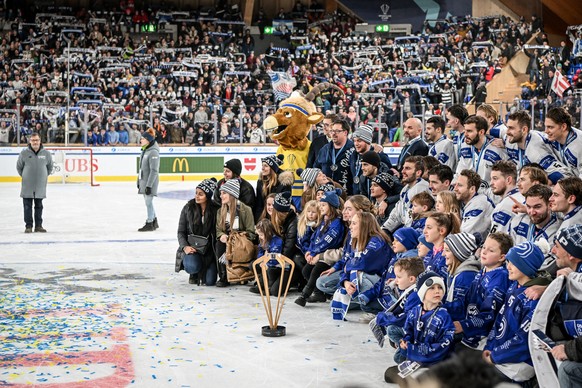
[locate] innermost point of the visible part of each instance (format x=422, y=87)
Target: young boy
x=422, y=203
x=391, y=321
x=486, y=294
x=404, y=245
x=507, y=344
x=424, y=247
x=429, y=327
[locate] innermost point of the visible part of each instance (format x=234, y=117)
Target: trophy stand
x=273, y=329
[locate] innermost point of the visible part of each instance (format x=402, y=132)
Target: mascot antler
x=319, y=88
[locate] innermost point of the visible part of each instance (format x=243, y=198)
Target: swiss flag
x=250, y=163
x=559, y=83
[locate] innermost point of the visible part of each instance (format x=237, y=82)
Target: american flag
x=559, y=83
x=282, y=83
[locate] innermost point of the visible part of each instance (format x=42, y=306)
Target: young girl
x=272, y=180
x=268, y=210
x=233, y=216
x=308, y=176
x=269, y=242
x=462, y=267
x=487, y=293
x=437, y=227
x=308, y=221
x=447, y=202
x=327, y=283
x=328, y=235
x=369, y=259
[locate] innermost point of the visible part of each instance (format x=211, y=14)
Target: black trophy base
x=279, y=331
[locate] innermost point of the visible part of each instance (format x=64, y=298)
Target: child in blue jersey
x=269, y=242
x=369, y=259
x=437, y=227
x=328, y=235
x=507, y=345
x=423, y=247
x=429, y=327
x=306, y=224
x=462, y=267
x=404, y=244
x=422, y=204
x=391, y=321
x=487, y=293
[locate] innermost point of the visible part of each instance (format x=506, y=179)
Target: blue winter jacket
x=396, y=314
x=458, y=285
x=275, y=246
x=304, y=241
x=435, y=261
x=372, y=260
x=330, y=238
x=434, y=341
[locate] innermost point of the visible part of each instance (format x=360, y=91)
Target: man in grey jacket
x=34, y=166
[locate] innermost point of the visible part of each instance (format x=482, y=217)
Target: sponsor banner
x=122, y=163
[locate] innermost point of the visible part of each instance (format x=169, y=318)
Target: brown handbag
x=239, y=253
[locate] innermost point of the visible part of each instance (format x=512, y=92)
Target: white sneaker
x=366, y=317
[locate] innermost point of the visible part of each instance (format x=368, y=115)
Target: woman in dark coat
x=272, y=180
x=284, y=221
x=198, y=217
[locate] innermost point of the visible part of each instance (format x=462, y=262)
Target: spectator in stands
x=476, y=207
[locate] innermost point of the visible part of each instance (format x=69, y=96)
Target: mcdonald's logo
x=180, y=162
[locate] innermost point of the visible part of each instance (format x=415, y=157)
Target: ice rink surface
x=94, y=303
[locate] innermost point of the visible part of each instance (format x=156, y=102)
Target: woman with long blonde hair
x=233, y=216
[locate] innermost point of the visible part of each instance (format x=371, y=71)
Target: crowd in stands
x=447, y=252
x=207, y=83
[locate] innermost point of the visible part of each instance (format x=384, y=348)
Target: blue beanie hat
x=407, y=237
x=527, y=257
x=332, y=197
x=423, y=241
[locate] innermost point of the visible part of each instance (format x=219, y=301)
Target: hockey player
x=503, y=184
x=566, y=140
x=441, y=147
x=476, y=208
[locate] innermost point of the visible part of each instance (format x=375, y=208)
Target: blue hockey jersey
x=330, y=238
x=429, y=335
x=372, y=260
x=483, y=301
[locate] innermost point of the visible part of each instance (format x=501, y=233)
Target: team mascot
x=290, y=125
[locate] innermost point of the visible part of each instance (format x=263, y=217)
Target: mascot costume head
x=289, y=127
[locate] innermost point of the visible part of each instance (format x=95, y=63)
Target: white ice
x=95, y=302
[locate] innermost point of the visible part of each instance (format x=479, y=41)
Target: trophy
x=273, y=329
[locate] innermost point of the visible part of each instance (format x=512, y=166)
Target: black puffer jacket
x=289, y=235
x=191, y=223
x=284, y=183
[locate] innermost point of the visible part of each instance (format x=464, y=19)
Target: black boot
x=194, y=279
x=316, y=297
x=301, y=301
x=148, y=227
x=156, y=226
x=222, y=278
